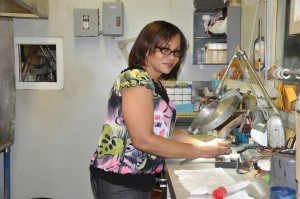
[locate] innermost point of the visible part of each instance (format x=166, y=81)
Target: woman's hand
x=214, y=148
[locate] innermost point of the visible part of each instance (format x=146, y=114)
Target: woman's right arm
x=138, y=114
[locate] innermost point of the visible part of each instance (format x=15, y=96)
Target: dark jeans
x=105, y=190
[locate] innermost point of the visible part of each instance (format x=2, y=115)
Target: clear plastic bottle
x=222, y=192
x=258, y=189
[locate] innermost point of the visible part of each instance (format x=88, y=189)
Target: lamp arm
x=245, y=72
x=219, y=87
x=244, y=56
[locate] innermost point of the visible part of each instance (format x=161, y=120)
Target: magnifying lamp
x=274, y=131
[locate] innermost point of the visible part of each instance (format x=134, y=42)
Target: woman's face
x=160, y=63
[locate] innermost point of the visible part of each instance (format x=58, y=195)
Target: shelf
x=211, y=38
x=210, y=64
x=201, y=38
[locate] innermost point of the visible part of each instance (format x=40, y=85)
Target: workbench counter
x=177, y=190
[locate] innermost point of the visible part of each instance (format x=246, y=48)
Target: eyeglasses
x=167, y=51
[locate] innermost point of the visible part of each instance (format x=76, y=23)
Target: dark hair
x=152, y=35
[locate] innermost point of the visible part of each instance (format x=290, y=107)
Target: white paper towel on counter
x=203, y=181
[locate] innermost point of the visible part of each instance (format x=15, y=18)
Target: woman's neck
x=152, y=74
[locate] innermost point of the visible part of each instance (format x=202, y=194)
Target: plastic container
x=216, y=46
x=278, y=192
x=283, y=169
x=222, y=192
x=258, y=189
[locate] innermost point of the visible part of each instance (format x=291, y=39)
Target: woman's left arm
x=180, y=136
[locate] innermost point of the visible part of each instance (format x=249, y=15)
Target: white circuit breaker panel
x=86, y=22
x=112, y=18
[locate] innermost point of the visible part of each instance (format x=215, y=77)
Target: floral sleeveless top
x=115, y=152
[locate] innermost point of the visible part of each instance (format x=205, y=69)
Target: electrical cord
x=251, y=147
x=251, y=162
x=248, y=165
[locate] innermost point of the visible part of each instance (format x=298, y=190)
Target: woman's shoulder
x=134, y=72
x=134, y=76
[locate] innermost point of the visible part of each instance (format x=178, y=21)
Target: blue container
x=278, y=192
x=214, y=84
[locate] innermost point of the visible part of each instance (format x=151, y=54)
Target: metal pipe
x=292, y=72
x=6, y=157
x=122, y=45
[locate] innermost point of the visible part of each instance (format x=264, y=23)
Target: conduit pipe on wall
x=282, y=73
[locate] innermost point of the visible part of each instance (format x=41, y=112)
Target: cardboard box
x=215, y=57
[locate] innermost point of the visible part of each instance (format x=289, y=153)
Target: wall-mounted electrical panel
x=86, y=22
x=112, y=18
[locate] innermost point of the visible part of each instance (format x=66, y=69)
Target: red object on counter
x=219, y=193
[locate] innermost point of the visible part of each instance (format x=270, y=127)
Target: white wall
x=57, y=130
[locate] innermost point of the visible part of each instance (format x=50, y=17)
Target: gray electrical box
x=112, y=18
x=86, y=22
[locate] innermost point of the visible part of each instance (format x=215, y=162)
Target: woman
x=140, y=123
